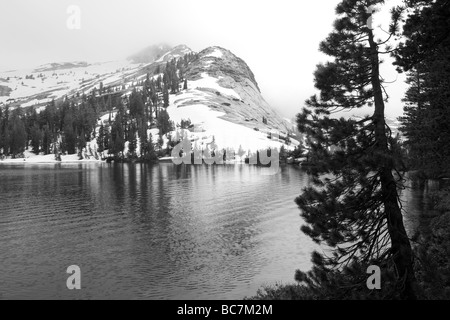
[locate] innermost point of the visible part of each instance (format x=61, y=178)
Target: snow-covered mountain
x=241, y=99
x=222, y=100
x=36, y=87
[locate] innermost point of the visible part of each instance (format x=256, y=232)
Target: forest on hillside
x=66, y=125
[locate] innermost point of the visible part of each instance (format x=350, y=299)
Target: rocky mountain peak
x=217, y=61
x=226, y=84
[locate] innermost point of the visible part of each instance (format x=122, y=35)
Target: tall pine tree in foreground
x=353, y=204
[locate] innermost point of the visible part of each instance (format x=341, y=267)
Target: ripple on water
x=150, y=232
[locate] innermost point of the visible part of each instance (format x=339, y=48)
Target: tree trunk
x=400, y=245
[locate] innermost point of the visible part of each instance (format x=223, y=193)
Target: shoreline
x=48, y=159
x=73, y=159
x=12, y=161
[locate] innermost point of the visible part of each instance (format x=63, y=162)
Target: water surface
x=148, y=232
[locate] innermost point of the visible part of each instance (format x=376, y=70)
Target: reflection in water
x=416, y=204
x=147, y=232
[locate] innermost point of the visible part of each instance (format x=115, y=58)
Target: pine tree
x=47, y=139
x=70, y=137
x=143, y=141
x=2, y=132
x=132, y=141
x=174, y=86
x=6, y=141
x=117, y=135
x=106, y=139
x=166, y=96
x=137, y=105
x=18, y=139
x=101, y=138
x=425, y=32
x=165, y=125
x=425, y=54
x=150, y=152
x=356, y=212
x=283, y=153
x=36, y=138
x=5, y=134
x=81, y=143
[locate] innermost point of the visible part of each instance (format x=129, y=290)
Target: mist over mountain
x=150, y=54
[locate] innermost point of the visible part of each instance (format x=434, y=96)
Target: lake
x=141, y=231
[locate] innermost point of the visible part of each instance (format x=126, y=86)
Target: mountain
x=150, y=54
x=175, y=53
x=159, y=53
x=37, y=87
x=60, y=66
x=241, y=100
x=222, y=100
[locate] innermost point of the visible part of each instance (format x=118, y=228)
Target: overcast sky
x=278, y=38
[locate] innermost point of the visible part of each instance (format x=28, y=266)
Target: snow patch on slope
x=212, y=83
x=216, y=54
x=210, y=124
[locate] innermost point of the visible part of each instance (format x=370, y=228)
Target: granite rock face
x=248, y=106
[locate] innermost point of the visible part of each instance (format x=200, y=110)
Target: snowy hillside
x=241, y=100
x=222, y=99
x=36, y=87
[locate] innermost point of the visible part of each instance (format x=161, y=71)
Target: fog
x=278, y=39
